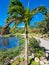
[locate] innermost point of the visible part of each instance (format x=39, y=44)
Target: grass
x=16, y=62
x=12, y=35
x=9, y=35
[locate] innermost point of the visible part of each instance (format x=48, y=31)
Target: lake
x=8, y=42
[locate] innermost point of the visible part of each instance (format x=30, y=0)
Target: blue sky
x=33, y=4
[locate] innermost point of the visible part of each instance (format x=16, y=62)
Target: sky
x=33, y=4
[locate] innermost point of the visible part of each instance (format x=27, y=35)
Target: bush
x=21, y=59
x=29, y=59
x=35, y=63
x=10, y=53
x=35, y=48
x=15, y=62
x=40, y=52
x=33, y=44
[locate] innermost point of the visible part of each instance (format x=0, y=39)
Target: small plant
x=29, y=59
x=15, y=62
x=35, y=48
x=35, y=63
x=40, y=53
x=21, y=59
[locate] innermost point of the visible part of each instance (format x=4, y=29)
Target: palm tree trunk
x=26, y=45
x=7, y=25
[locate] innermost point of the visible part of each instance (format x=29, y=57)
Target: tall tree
x=44, y=24
x=17, y=13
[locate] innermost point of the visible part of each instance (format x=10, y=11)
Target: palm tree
x=18, y=14
x=9, y=22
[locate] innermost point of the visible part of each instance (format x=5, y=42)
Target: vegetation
x=17, y=30
x=11, y=53
x=18, y=61
x=18, y=14
x=35, y=48
x=35, y=63
x=16, y=10
x=1, y=29
x=44, y=24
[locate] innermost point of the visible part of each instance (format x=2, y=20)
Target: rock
x=12, y=60
x=42, y=58
x=46, y=54
x=36, y=59
x=33, y=55
x=45, y=61
x=30, y=56
x=41, y=62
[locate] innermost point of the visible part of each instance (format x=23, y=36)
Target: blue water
x=8, y=42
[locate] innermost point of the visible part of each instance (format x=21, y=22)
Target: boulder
x=41, y=62
x=37, y=59
x=33, y=55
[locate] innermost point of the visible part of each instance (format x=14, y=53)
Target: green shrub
x=40, y=53
x=15, y=62
x=29, y=59
x=21, y=59
x=35, y=63
x=35, y=48
x=10, y=53
x=33, y=44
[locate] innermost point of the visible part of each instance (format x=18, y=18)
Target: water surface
x=8, y=42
